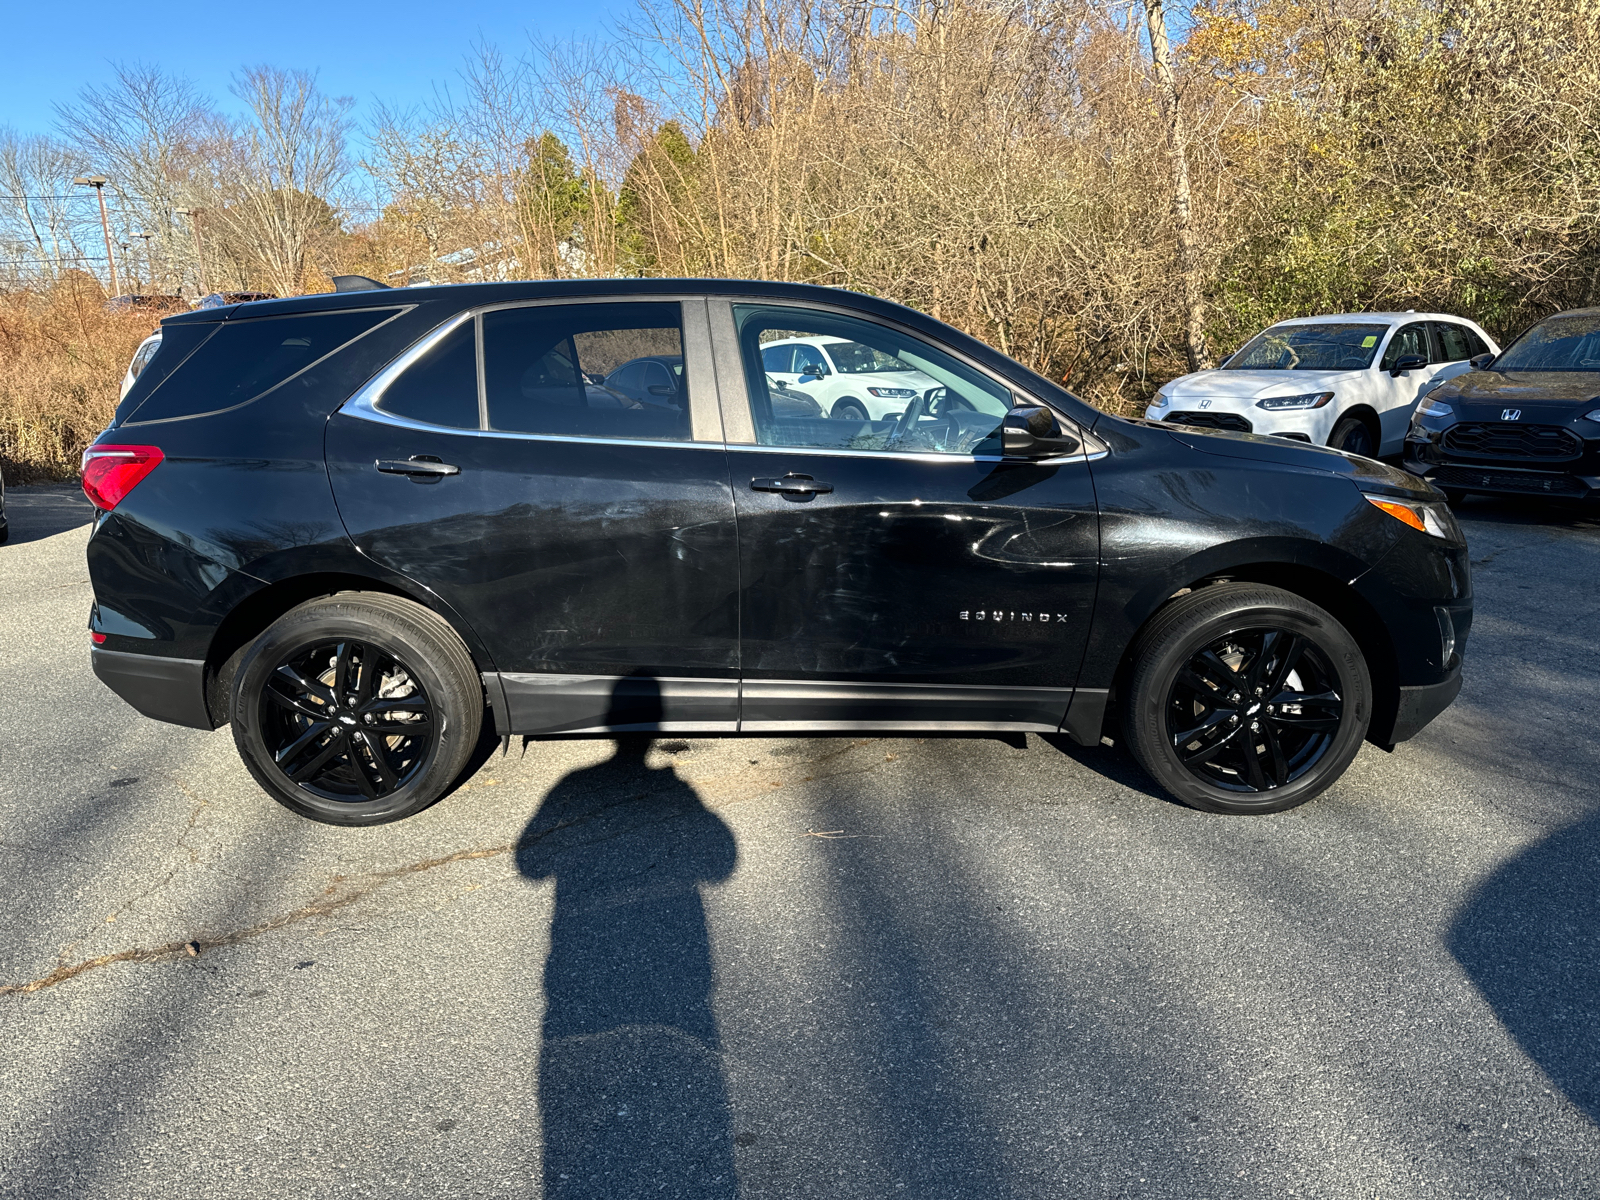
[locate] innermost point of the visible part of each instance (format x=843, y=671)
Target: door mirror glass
x=1481, y=362
x=813, y=370
x=1032, y=431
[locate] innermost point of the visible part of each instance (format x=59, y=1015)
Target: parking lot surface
x=874, y=967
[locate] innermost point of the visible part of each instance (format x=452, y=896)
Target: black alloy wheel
x=849, y=409
x=346, y=721
x=1353, y=437
x=357, y=709
x=1242, y=698
x=1254, y=710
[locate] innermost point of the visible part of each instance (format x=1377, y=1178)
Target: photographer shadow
x=631, y=1092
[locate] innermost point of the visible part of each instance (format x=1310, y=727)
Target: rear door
x=590, y=546
x=897, y=573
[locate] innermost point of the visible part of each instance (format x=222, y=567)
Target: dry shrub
x=62, y=357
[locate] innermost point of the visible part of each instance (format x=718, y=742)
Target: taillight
x=111, y=472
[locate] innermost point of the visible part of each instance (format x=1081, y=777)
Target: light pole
x=199, y=254
x=98, y=183
x=149, y=266
x=131, y=263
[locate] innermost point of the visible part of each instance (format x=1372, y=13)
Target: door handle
x=791, y=485
x=418, y=466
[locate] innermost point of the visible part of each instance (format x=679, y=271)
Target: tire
x=1172, y=683
x=849, y=409
x=317, y=756
x=1351, y=435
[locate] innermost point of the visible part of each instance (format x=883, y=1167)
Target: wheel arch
x=1348, y=606
x=247, y=619
x=1368, y=416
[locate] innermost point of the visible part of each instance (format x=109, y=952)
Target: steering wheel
x=915, y=411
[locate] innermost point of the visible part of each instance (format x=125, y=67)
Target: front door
x=587, y=538
x=896, y=573
x=1400, y=392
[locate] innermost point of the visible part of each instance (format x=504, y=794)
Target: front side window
x=1321, y=347
x=545, y=369
x=1558, y=344
x=892, y=392
x=1409, y=340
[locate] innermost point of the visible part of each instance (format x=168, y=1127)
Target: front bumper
x=168, y=689
x=1420, y=705
x=1577, y=478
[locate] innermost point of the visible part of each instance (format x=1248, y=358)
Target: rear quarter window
x=245, y=359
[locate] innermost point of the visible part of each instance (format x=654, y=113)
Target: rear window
x=244, y=360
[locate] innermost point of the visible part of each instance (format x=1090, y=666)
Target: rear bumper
x=168, y=689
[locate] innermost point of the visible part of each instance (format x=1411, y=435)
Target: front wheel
x=1353, y=437
x=849, y=410
x=357, y=709
x=1246, y=699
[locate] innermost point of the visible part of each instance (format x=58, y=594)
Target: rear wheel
x=1353, y=437
x=850, y=410
x=357, y=709
x=1246, y=699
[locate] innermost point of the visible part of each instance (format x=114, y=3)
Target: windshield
x=1559, y=344
x=852, y=358
x=1310, y=348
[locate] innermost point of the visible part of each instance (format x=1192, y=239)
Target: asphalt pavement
x=787, y=967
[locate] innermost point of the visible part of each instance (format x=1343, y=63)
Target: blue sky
x=396, y=51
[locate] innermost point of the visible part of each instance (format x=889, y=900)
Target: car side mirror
x=1407, y=362
x=813, y=371
x=1032, y=431
x=1482, y=362
x=661, y=389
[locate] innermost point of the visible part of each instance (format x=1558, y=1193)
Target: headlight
x=1161, y=400
x=1424, y=516
x=891, y=393
x=1431, y=407
x=1592, y=416
x=1309, y=400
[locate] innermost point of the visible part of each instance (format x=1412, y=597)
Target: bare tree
x=277, y=180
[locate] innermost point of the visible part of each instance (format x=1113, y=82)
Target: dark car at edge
x=374, y=528
x=1523, y=423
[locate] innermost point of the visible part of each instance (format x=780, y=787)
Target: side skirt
x=548, y=704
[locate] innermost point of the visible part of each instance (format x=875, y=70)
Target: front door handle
x=791, y=485
x=418, y=466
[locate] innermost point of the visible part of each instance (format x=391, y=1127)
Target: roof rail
x=357, y=283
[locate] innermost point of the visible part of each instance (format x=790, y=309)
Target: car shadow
x=1514, y=510
x=632, y=1097
x=36, y=513
x=1529, y=938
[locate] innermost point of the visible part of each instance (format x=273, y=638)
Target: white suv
x=1349, y=381
x=849, y=380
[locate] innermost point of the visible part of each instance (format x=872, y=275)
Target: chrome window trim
x=914, y=456
x=364, y=403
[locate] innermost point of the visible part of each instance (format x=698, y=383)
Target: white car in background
x=849, y=380
x=1350, y=381
x=141, y=358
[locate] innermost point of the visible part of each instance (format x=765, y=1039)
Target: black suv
x=372, y=528
x=1526, y=423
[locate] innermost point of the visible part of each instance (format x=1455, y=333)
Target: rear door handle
x=791, y=485
x=420, y=465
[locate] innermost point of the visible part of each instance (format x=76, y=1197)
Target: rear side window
x=1453, y=343
x=441, y=387
x=244, y=360
x=545, y=367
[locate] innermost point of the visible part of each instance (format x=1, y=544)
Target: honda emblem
x=1511, y=414
x=1205, y=404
